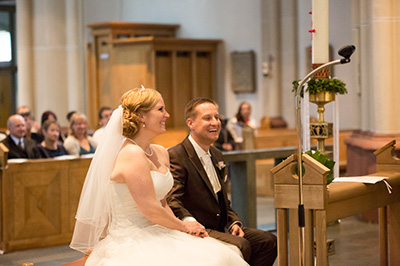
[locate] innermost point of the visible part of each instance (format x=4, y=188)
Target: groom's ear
x=189, y=123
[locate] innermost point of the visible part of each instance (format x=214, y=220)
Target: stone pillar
x=76, y=43
x=25, y=92
x=279, y=37
x=50, y=57
x=375, y=30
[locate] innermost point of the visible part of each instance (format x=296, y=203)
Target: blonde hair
x=134, y=103
x=74, y=119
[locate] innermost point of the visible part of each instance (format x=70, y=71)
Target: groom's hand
x=237, y=231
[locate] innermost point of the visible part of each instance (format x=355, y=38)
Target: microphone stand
x=299, y=153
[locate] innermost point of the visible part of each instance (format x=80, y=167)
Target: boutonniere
x=220, y=165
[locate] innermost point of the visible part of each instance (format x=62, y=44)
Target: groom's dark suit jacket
x=192, y=194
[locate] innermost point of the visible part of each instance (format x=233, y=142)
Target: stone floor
x=356, y=243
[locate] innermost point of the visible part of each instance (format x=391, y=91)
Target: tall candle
x=320, y=40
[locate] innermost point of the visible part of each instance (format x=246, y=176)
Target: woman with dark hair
x=50, y=147
x=123, y=215
x=48, y=115
x=241, y=120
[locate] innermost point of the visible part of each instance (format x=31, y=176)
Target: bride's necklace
x=148, y=154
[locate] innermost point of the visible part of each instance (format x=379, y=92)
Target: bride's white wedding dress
x=135, y=240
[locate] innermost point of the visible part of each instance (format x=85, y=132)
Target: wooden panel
x=39, y=202
x=103, y=59
x=132, y=66
x=287, y=196
x=182, y=87
x=163, y=81
x=204, y=76
x=172, y=137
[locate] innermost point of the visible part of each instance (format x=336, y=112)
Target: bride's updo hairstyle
x=134, y=103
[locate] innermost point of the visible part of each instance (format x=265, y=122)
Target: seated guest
x=50, y=115
x=18, y=145
x=241, y=120
x=50, y=148
x=78, y=141
x=69, y=115
x=104, y=116
x=225, y=141
x=32, y=128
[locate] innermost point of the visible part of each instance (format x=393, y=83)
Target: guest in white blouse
x=241, y=120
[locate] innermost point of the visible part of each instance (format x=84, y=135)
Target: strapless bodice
x=125, y=212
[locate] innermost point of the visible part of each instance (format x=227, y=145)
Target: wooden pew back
x=39, y=199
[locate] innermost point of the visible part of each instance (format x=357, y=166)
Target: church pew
x=38, y=201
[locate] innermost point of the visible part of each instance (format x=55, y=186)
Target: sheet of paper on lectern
x=360, y=179
x=365, y=180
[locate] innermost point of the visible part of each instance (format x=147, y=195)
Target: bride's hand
x=195, y=228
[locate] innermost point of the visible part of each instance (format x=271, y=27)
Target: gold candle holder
x=321, y=130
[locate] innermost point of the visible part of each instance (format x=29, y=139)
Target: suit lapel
x=195, y=160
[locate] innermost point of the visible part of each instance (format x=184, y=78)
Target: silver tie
x=212, y=175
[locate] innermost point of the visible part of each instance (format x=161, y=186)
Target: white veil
x=94, y=211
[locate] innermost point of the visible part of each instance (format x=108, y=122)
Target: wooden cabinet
x=126, y=55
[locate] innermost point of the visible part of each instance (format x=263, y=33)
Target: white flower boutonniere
x=221, y=165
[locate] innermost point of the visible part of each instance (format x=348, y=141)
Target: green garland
x=317, y=85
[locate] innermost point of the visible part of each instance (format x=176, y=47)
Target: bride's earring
x=144, y=125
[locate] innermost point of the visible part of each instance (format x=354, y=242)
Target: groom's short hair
x=192, y=104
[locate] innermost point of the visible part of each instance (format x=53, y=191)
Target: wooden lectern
x=324, y=204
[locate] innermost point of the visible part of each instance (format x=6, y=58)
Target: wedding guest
x=242, y=119
x=122, y=213
x=18, y=145
x=50, y=146
x=199, y=192
x=225, y=141
x=78, y=141
x=48, y=115
x=32, y=128
x=69, y=115
x=104, y=116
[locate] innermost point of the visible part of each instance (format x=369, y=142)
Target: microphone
x=346, y=52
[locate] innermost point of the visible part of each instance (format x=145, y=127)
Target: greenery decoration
x=321, y=85
x=323, y=159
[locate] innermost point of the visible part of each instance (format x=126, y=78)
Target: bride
x=122, y=217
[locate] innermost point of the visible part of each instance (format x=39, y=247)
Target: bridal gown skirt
x=160, y=246
x=134, y=240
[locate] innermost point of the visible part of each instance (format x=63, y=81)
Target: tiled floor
x=356, y=243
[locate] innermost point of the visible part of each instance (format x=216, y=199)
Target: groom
x=199, y=191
